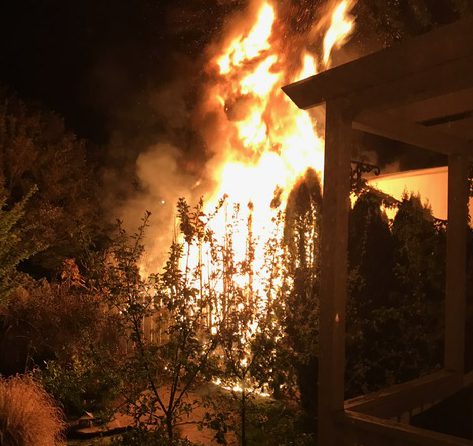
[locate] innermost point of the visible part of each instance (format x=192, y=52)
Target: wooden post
x=455, y=299
x=333, y=279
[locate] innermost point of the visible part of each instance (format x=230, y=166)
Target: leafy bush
x=28, y=415
x=82, y=384
x=45, y=321
x=275, y=424
x=140, y=437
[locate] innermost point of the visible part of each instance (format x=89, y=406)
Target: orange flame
x=266, y=143
x=341, y=27
x=250, y=46
x=264, y=138
x=261, y=141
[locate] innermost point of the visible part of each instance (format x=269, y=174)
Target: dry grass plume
x=28, y=415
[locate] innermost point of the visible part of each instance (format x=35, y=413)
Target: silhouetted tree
x=396, y=289
x=36, y=151
x=420, y=285
x=300, y=288
x=371, y=278
x=13, y=246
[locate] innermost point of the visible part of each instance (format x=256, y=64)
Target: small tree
x=161, y=366
x=249, y=333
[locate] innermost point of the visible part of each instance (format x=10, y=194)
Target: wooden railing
x=468, y=379
x=376, y=419
x=410, y=397
x=366, y=430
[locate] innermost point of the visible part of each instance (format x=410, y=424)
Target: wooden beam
x=448, y=104
x=416, y=69
x=382, y=124
x=463, y=128
x=333, y=280
x=468, y=379
x=368, y=430
x=405, y=397
x=455, y=301
x=452, y=76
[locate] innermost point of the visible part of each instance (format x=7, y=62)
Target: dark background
x=96, y=62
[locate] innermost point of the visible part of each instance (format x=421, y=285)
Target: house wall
x=431, y=184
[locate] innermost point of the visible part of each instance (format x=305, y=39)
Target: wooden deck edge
x=379, y=431
x=468, y=379
x=401, y=398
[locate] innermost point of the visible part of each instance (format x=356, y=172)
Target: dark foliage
x=14, y=245
x=396, y=290
x=389, y=21
x=301, y=287
x=371, y=259
x=38, y=153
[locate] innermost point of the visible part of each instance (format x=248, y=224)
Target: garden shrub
x=83, y=383
x=141, y=437
x=28, y=415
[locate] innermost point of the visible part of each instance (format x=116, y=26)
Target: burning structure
x=419, y=93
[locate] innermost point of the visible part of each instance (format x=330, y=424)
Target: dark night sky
x=94, y=61
x=90, y=59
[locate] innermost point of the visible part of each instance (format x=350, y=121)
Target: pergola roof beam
x=447, y=77
x=432, y=64
x=437, y=108
x=382, y=124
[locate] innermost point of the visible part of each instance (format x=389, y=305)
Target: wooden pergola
x=420, y=93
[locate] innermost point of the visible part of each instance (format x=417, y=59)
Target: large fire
x=263, y=143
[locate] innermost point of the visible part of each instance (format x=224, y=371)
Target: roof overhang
x=419, y=92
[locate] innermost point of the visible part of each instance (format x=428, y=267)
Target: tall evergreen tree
x=396, y=286
x=419, y=269
x=301, y=283
x=370, y=281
